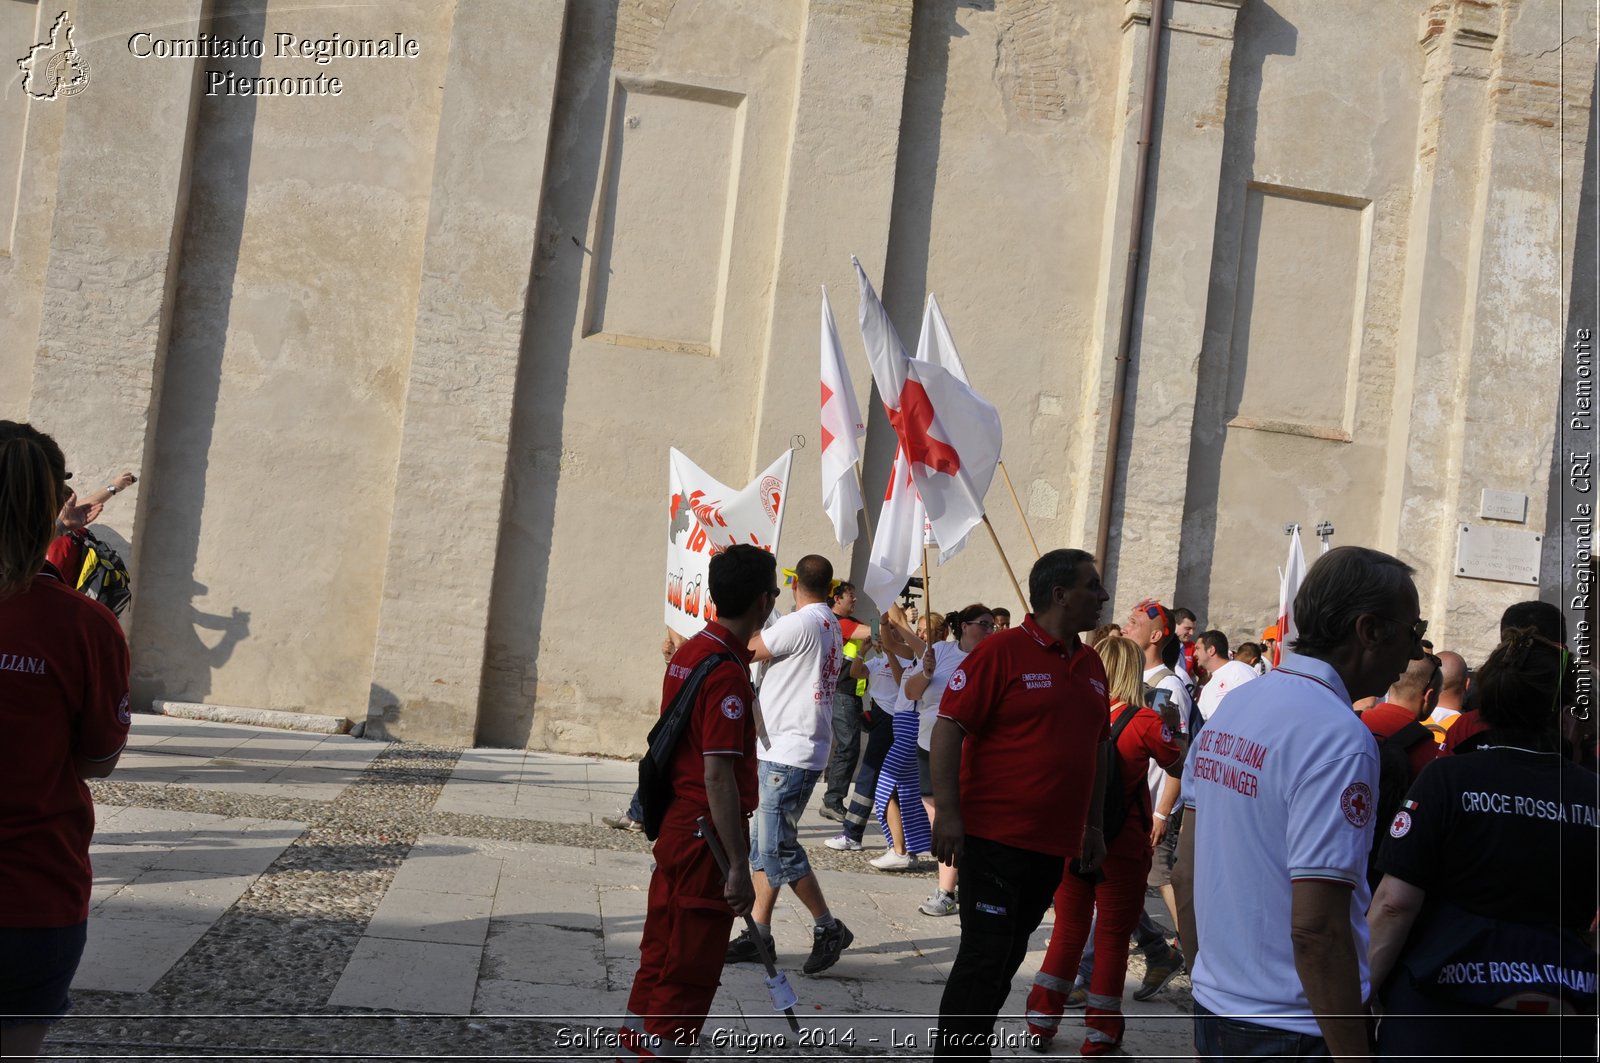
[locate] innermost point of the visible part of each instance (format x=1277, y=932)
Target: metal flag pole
x=783, y=998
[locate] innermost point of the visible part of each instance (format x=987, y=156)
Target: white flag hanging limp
x=950, y=433
x=842, y=428
x=1294, y=574
x=897, y=542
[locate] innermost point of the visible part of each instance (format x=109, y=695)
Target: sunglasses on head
x=1156, y=611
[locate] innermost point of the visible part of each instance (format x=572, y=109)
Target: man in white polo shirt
x=796, y=699
x=1285, y=784
x=1211, y=650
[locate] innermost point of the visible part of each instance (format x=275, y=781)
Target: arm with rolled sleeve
x=784, y=636
x=1327, y=859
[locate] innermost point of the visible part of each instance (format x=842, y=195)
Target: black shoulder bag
x=655, y=770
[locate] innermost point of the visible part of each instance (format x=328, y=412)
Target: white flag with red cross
x=950, y=433
x=842, y=429
x=897, y=541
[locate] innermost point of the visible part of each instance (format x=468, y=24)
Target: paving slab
x=412, y=977
x=162, y=878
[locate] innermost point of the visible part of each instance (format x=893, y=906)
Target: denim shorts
x=774, y=836
x=36, y=967
x=1220, y=1037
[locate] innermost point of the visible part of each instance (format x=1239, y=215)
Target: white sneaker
x=941, y=903
x=892, y=861
x=843, y=842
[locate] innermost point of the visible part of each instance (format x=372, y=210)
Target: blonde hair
x=1124, y=669
x=938, y=630
x=32, y=490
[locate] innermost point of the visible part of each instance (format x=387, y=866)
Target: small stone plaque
x=1503, y=505
x=1502, y=554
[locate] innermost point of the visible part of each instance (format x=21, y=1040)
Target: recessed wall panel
x=659, y=247
x=1302, y=286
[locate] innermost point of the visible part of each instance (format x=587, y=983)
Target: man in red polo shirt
x=692, y=904
x=1017, y=753
x=1410, y=700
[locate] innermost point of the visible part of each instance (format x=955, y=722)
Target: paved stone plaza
x=262, y=892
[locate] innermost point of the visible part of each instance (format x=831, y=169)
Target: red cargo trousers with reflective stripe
x=686, y=928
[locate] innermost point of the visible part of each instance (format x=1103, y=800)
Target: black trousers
x=1004, y=894
x=846, y=748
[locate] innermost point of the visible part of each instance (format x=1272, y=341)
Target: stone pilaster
x=1174, y=280
x=451, y=475
x=1482, y=329
x=841, y=167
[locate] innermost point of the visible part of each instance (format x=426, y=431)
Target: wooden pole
x=927, y=610
x=866, y=514
x=1016, y=502
x=1004, y=561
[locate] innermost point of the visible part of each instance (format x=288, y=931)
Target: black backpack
x=655, y=769
x=1394, y=780
x=103, y=576
x=1114, y=812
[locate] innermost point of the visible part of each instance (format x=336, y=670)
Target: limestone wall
x=399, y=366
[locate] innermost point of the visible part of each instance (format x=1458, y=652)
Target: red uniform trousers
x=686, y=927
x=1119, y=899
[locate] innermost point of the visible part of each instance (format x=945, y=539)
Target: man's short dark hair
x=1058, y=568
x=1543, y=617
x=840, y=589
x=1215, y=641
x=815, y=573
x=1345, y=583
x=1180, y=614
x=739, y=575
x=1000, y=612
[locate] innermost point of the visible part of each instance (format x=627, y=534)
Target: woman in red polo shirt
x=1119, y=892
x=64, y=712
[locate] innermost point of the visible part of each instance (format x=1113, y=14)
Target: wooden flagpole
x=1016, y=502
x=1006, y=562
x=866, y=514
x=927, y=609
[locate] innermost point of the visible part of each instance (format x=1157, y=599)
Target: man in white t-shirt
x=805, y=653
x=1211, y=650
x=1284, y=780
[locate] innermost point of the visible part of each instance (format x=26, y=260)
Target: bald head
x=1417, y=688
x=1453, y=678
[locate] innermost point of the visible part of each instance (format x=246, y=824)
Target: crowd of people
x=1363, y=844
x=1329, y=822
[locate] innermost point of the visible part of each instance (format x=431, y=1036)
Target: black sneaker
x=833, y=812
x=826, y=946
x=743, y=949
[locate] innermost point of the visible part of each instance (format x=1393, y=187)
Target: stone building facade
x=397, y=307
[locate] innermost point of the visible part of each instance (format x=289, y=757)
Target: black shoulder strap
x=1122, y=722
x=1410, y=735
x=665, y=734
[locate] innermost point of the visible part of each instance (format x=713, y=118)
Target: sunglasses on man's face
x=1418, y=629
